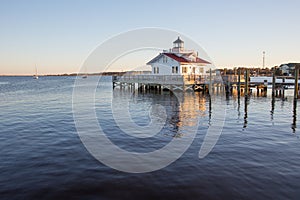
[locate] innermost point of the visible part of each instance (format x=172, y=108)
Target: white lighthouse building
x=176, y=68
x=178, y=61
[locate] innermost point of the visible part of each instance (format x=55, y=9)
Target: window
x=155, y=70
x=174, y=69
x=165, y=59
x=184, y=70
x=201, y=70
x=194, y=70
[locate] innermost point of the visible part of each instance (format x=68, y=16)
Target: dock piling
x=273, y=82
x=296, y=82
x=247, y=82
x=210, y=82
x=239, y=82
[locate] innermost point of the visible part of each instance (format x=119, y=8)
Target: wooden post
x=209, y=111
x=246, y=83
x=280, y=92
x=114, y=79
x=283, y=87
x=140, y=87
x=210, y=82
x=265, y=90
x=296, y=82
x=273, y=82
x=295, y=98
x=239, y=82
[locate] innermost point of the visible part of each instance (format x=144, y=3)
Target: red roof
x=199, y=60
x=175, y=57
x=182, y=59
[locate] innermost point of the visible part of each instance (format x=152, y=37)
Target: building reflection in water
x=191, y=106
x=183, y=109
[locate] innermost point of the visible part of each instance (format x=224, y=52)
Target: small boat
x=84, y=76
x=36, y=75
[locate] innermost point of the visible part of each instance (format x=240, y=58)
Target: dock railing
x=167, y=79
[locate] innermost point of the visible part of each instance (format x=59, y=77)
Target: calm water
x=257, y=155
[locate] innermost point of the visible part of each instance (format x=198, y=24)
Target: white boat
x=36, y=75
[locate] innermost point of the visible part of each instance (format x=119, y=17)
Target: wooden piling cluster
x=241, y=83
x=244, y=87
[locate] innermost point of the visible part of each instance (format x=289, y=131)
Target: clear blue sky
x=59, y=35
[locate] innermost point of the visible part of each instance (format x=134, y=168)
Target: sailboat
x=36, y=75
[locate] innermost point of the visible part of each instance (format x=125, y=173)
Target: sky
x=57, y=36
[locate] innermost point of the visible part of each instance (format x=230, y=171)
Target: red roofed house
x=177, y=68
x=178, y=61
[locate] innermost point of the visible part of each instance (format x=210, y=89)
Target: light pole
x=264, y=54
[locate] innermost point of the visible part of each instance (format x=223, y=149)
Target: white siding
x=165, y=68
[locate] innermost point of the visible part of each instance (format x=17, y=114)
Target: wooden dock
x=170, y=82
x=241, y=82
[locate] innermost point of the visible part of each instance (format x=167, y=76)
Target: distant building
x=178, y=61
x=287, y=69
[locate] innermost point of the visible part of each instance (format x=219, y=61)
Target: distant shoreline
x=75, y=74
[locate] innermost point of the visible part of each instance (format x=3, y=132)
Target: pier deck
x=242, y=82
x=181, y=82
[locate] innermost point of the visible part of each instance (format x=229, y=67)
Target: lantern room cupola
x=178, y=45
